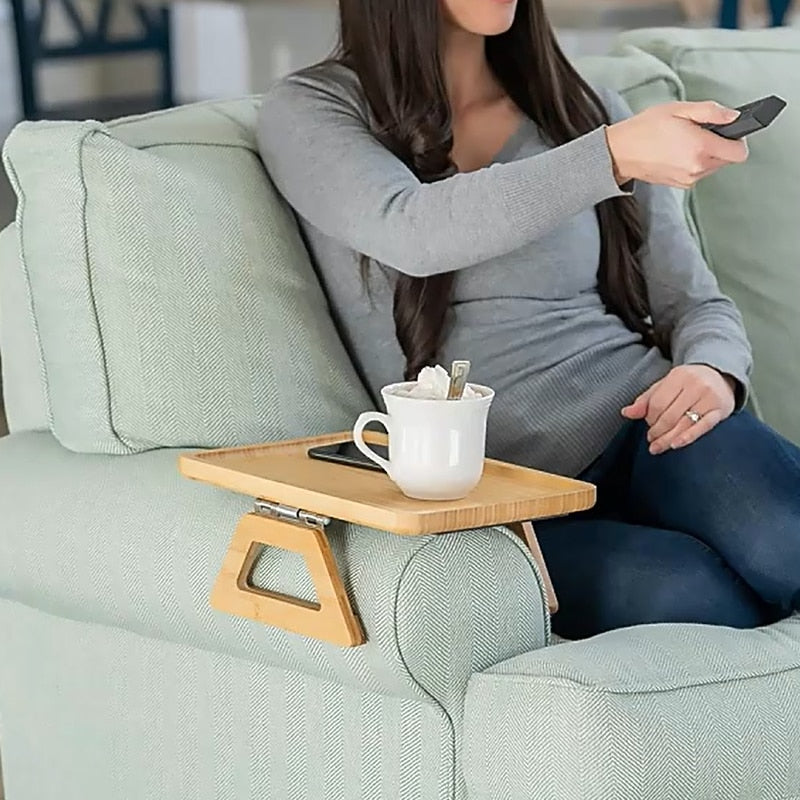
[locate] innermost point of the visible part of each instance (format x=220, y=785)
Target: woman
x=504, y=211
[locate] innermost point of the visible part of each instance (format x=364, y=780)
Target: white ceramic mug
x=436, y=447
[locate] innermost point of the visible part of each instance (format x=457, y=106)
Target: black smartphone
x=348, y=454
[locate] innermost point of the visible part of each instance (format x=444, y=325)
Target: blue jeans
x=707, y=534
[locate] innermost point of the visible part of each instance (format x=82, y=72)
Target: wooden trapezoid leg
x=332, y=619
x=526, y=531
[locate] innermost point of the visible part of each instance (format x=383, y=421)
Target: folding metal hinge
x=285, y=513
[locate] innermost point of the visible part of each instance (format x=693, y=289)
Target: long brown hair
x=393, y=47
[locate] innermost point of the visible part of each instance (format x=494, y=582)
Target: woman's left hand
x=690, y=388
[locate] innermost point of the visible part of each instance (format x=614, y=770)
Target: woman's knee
x=747, y=508
x=633, y=575
x=702, y=589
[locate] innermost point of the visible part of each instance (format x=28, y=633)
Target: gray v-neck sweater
x=523, y=236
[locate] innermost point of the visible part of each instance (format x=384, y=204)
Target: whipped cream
x=432, y=384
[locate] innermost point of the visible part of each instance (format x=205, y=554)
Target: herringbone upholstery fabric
x=95, y=713
x=22, y=382
x=117, y=680
x=667, y=712
x=174, y=301
x=127, y=543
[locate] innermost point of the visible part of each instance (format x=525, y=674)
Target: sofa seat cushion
x=173, y=299
x=656, y=712
x=747, y=216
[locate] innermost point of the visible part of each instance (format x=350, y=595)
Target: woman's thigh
x=738, y=490
x=610, y=574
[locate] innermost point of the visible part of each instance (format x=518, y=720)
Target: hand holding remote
x=667, y=145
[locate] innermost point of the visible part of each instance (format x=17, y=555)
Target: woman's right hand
x=666, y=145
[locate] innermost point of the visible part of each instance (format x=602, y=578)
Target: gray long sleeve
x=317, y=146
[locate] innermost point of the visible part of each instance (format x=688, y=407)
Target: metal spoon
x=459, y=371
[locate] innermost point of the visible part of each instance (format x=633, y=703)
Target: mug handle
x=358, y=437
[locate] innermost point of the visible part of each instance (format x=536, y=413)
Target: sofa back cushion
x=748, y=217
x=641, y=78
x=174, y=300
x=22, y=389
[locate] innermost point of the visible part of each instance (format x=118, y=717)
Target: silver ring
x=693, y=416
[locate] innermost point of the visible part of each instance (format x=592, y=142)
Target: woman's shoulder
x=329, y=84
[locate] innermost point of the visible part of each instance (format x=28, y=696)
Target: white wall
x=284, y=37
x=224, y=49
x=210, y=51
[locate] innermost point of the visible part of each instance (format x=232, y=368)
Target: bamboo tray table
x=296, y=497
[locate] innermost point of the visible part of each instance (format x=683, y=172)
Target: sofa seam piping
x=436, y=701
x=567, y=683
x=546, y=617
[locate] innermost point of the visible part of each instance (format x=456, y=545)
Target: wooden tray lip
x=208, y=466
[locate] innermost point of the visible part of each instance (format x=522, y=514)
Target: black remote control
x=752, y=117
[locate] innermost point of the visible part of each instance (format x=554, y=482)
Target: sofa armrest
x=656, y=712
x=125, y=541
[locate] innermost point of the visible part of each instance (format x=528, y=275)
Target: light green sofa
x=155, y=296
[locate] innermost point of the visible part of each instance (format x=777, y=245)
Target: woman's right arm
x=324, y=159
